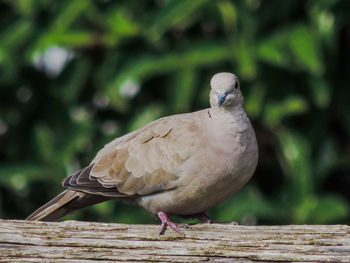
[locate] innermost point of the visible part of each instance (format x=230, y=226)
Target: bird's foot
x=206, y=219
x=166, y=222
x=227, y=223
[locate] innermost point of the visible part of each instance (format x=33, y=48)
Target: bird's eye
x=236, y=85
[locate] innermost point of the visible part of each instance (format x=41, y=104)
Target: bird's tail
x=64, y=204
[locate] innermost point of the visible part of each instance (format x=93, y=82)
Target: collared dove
x=180, y=165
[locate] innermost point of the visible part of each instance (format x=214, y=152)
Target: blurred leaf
x=328, y=209
x=3, y=56
x=11, y=39
x=28, y=171
x=69, y=39
x=106, y=71
x=273, y=50
x=45, y=143
x=275, y=112
x=79, y=135
x=322, y=94
x=183, y=89
x=297, y=165
x=58, y=32
x=228, y=13
x=299, y=41
x=305, y=48
x=243, y=52
x=321, y=210
x=245, y=55
x=254, y=100
x=8, y=68
x=75, y=81
x=326, y=158
x=120, y=24
x=174, y=13
x=69, y=12
x=104, y=210
x=16, y=34
x=25, y=7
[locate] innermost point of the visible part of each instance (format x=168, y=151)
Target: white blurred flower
x=129, y=88
x=52, y=60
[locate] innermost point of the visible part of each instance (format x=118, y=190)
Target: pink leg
x=166, y=222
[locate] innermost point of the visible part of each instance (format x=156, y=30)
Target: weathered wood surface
x=72, y=241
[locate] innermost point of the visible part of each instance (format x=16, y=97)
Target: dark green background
x=130, y=62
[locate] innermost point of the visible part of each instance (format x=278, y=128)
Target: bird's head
x=225, y=91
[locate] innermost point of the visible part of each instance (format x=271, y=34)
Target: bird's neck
x=231, y=115
x=228, y=122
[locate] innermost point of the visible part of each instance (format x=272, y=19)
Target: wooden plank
x=72, y=241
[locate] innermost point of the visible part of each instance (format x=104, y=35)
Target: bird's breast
x=222, y=163
x=236, y=156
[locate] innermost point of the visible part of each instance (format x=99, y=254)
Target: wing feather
x=143, y=162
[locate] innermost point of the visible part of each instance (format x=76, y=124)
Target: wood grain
x=72, y=241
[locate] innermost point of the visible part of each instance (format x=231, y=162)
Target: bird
x=180, y=165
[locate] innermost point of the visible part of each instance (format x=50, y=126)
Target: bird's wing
x=145, y=161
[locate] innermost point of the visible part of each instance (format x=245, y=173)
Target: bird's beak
x=221, y=98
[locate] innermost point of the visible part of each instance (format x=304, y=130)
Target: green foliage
x=76, y=74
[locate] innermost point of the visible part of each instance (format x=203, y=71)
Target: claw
x=206, y=219
x=166, y=222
